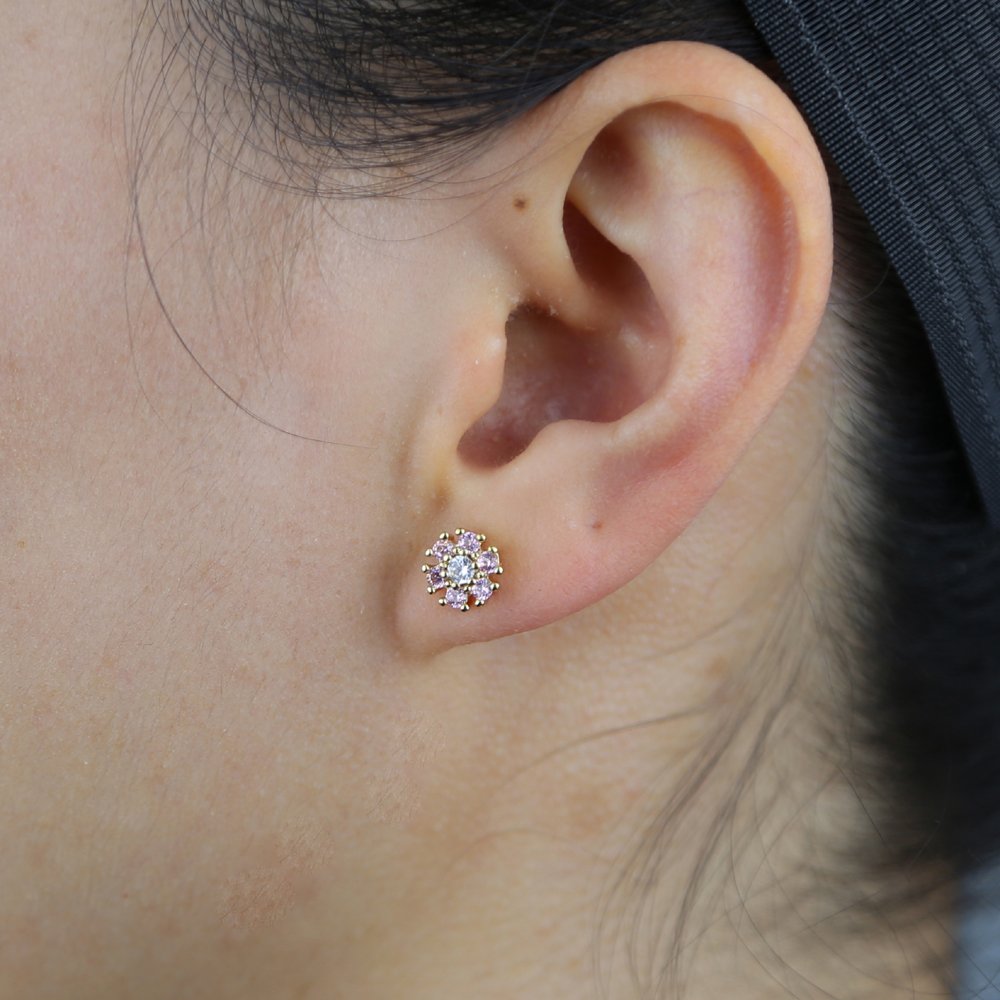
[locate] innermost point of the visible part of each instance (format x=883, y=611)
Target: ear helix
x=463, y=571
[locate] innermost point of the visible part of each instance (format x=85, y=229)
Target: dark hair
x=400, y=90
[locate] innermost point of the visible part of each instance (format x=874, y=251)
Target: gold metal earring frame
x=463, y=570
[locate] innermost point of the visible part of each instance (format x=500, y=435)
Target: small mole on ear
x=520, y=203
x=597, y=525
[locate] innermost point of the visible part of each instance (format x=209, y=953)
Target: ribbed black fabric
x=905, y=94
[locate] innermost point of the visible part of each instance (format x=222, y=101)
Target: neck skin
x=650, y=813
x=491, y=823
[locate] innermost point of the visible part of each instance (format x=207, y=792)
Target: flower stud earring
x=463, y=570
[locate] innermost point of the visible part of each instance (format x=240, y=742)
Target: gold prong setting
x=464, y=567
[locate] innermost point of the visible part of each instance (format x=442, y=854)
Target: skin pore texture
x=243, y=754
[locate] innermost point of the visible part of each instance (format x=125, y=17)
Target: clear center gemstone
x=460, y=570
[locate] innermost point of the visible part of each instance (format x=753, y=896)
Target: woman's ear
x=667, y=248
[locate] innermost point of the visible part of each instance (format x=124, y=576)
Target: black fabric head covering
x=905, y=94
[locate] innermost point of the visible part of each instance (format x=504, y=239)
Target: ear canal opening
x=557, y=371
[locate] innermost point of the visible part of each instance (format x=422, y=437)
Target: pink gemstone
x=488, y=562
x=442, y=548
x=456, y=599
x=481, y=590
x=469, y=541
x=435, y=578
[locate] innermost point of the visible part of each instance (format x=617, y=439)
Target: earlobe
x=669, y=281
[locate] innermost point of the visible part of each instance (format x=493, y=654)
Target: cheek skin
x=192, y=619
x=201, y=595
